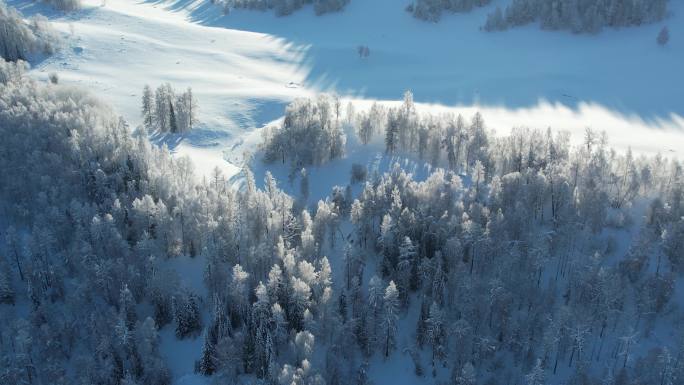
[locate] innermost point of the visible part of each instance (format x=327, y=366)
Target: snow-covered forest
x=22, y=39
x=431, y=10
x=311, y=134
x=577, y=16
x=337, y=192
x=519, y=258
x=283, y=7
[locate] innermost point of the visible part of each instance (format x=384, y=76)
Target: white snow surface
x=246, y=66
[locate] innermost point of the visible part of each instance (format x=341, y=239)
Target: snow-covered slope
x=242, y=79
x=244, y=67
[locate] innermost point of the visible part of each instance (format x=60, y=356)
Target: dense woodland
x=517, y=243
x=525, y=259
x=64, y=5
x=20, y=39
x=431, y=10
x=578, y=16
x=284, y=7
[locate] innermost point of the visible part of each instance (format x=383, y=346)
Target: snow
x=180, y=356
x=246, y=66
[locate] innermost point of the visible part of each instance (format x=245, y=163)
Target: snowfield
x=246, y=66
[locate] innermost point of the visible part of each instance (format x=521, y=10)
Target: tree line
x=283, y=7
x=578, y=16
x=431, y=10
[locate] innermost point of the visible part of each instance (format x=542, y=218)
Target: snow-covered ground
x=241, y=79
x=246, y=66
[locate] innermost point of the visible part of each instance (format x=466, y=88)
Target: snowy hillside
x=458, y=240
x=244, y=68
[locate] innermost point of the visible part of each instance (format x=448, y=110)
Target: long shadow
x=260, y=113
x=199, y=137
x=454, y=63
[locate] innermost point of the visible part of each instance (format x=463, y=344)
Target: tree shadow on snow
x=454, y=63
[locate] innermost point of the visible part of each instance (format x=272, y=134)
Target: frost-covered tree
x=389, y=318
x=168, y=112
x=148, y=106
x=187, y=314
x=310, y=134
x=663, y=36
x=22, y=40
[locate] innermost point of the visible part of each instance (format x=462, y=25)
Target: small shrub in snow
x=663, y=36
x=358, y=173
x=363, y=51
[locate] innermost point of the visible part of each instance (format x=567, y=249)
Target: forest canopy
x=578, y=16
x=518, y=252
